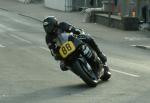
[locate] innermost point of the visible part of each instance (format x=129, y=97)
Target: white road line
x=45, y=49
x=141, y=46
x=6, y=27
x=19, y=38
x=135, y=38
x=125, y=73
x=2, y=46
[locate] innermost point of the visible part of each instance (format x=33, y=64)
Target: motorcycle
x=70, y=47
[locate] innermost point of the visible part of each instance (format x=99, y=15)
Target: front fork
x=93, y=60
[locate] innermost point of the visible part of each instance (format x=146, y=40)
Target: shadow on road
x=48, y=94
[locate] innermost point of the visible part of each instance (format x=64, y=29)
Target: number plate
x=66, y=49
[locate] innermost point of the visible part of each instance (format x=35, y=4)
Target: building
x=135, y=8
x=143, y=9
x=72, y=5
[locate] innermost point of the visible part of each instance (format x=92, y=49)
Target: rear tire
x=106, y=76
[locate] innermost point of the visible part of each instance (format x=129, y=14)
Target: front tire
x=78, y=68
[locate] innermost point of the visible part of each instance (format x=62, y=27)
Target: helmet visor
x=49, y=28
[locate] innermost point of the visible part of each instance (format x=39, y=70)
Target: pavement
x=38, y=11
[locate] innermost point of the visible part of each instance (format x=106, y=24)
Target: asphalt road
x=29, y=74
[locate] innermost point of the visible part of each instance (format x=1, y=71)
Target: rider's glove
x=77, y=31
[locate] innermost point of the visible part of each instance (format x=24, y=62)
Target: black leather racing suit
x=65, y=27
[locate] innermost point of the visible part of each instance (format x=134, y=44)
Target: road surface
x=29, y=74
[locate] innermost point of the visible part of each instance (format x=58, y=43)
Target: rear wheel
x=106, y=74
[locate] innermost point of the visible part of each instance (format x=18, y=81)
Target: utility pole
x=109, y=13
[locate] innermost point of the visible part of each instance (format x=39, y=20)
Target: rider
x=53, y=28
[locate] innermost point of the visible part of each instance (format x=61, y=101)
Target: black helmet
x=50, y=24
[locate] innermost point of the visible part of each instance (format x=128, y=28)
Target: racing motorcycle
x=70, y=47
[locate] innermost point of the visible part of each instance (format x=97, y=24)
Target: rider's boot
x=63, y=66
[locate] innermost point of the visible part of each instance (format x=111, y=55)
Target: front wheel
x=79, y=68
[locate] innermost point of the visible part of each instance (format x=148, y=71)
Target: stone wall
x=124, y=23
